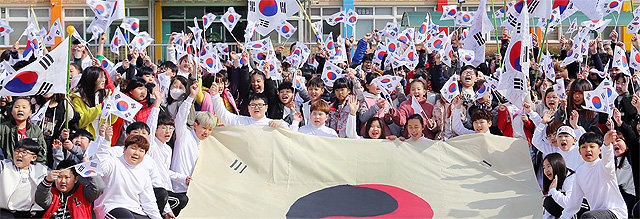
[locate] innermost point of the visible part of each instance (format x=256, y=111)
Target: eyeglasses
x=23, y=152
x=467, y=72
x=258, y=105
x=164, y=127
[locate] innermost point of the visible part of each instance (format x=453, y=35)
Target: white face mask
x=176, y=93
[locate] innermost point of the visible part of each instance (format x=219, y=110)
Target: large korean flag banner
x=46, y=75
x=278, y=173
x=270, y=13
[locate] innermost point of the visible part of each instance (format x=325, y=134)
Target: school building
x=161, y=17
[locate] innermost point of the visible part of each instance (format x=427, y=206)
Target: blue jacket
x=359, y=53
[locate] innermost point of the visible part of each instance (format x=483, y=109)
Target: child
x=68, y=198
x=187, y=146
x=557, y=185
x=128, y=192
x=596, y=180
x=575, y=102
x=565, y=140
x=73, y=149
x=339, y=113
x=374, y=128
x=168, y=68
x=415, y=126
x=257, y=107
x=315, y=88
x=417, y=91
x=283, y=107
x=468, y=77
x=225, y=93
x=162, y=154
x=374, y=104
x=319, y=115
x=481, y=119
x=21, y=128
x=19, y=178
x=147, y=74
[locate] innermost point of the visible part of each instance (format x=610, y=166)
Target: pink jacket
x=404, y=111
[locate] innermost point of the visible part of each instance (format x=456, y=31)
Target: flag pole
x=309, y=20
x=126, y=44
x=505, y=10
x=35, y=18
x=544, y=39
x=70, y=30
x=495, y=26
x=234, y=37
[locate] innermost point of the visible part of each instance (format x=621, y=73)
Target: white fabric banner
x=277, y=173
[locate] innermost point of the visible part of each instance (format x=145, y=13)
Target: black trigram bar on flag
x=252, y=6
x=513, y=21
x=532, y=6
x=45, y=88
x=283, y=7
x=525, y=54
x=264, y=23
x=518, y=84
x=46, y=61
x=479, y=39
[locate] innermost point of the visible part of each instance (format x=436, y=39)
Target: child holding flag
x=64, y=196
x=596, y=180
x=416, y=104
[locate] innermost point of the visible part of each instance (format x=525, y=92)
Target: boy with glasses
x=19, y=179
x=257, y=109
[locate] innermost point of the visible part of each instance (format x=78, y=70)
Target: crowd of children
x=586, y=162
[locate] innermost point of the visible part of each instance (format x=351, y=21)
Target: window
x=81, y=18
x=179, y=18
x=384, y=11
x=364, y=10
x=363, y=27
x=17, y=18
x=326, y=28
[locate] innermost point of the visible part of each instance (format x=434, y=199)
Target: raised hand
x=353, y=105
x=548, y=116
x=67, y=145
x=610, y=137
x=573, y=119
x=636, y=102
x=527, y=107
x=275, y=123
x=297, y=117
x=57, y=143
x=457, y=103
x=194, y=89
x=554, y=183
x=617, y=116
x=158, y=94
x=53, y=175
x=614, y=36
x=431, y=124
x=108, y=132
x=213, y=90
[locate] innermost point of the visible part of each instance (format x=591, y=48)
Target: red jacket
x=142, y=116
x=77, y=204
